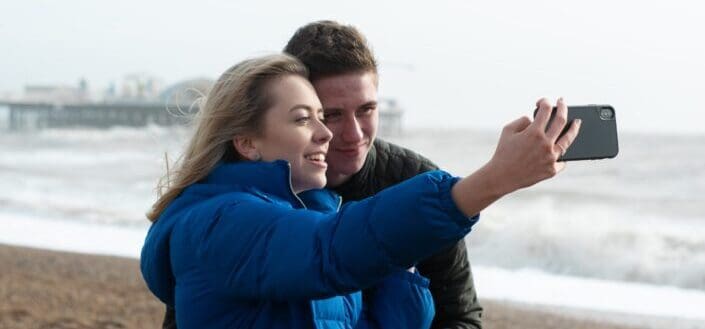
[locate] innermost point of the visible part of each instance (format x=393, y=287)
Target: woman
x=245, y=236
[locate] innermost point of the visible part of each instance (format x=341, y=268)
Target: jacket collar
x=272, y=178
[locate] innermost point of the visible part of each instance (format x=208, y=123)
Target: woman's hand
x=527, y=151
x=526, y=154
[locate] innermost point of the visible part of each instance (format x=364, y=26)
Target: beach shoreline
x=52, y=289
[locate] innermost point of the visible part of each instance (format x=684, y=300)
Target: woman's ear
x=246, y=147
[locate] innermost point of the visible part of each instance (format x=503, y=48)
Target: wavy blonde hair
x=234, y=106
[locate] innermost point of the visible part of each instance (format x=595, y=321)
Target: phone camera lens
x=606, y=114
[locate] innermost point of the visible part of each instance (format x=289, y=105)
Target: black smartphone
x=597, y=138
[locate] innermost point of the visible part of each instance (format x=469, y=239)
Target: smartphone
x=597, y=138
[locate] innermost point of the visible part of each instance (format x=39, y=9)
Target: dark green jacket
x=449, y=271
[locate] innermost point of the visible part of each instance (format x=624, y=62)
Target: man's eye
x=329, y=116
x=367, y=110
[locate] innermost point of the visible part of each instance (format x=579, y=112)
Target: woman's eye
x=303, y=119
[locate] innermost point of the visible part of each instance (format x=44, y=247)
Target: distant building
x=390, y=115
x=135, y=88
x=186, y=92
x=56, y=94
x=6, y=96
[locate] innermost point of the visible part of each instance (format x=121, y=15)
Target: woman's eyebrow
x=305, y=107
x=301, y=106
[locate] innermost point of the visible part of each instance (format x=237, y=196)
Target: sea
x=625, y=236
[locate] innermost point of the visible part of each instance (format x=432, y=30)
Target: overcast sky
x=448, y=63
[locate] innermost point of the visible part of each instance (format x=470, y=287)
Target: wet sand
x=41, y=289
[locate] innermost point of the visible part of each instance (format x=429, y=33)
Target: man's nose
x=352, y=132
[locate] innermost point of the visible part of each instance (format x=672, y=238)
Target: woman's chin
x=313, y=183
x=319, y=183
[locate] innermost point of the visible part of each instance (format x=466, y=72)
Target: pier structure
x=32, y=116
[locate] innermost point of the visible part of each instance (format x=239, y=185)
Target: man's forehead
x=347, y=80
x=346, y=88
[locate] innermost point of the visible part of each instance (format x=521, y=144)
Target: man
x=343, y=71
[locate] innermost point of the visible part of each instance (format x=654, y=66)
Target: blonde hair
x=234, y=106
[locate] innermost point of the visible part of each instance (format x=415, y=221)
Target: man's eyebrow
x=368, y=104
x=364, y=105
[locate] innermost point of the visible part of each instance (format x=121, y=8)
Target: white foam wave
x=591, y=240
x=56, y=233
x=530, y=286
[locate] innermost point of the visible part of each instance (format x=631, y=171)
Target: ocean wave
x=591, y=240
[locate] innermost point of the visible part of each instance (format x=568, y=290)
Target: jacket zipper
x=291, y=188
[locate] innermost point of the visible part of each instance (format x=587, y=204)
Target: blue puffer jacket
x=241, y=250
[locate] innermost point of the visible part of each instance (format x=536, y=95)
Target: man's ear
x=246, y=147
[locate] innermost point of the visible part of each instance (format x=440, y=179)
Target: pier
x=33, y=116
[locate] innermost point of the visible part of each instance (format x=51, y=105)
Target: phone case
x=597, y=138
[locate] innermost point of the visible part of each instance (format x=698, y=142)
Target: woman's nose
x=322, y=134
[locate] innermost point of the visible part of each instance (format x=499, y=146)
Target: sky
x=447, y=63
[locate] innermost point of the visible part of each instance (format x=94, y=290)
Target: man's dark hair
x=330, y=48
